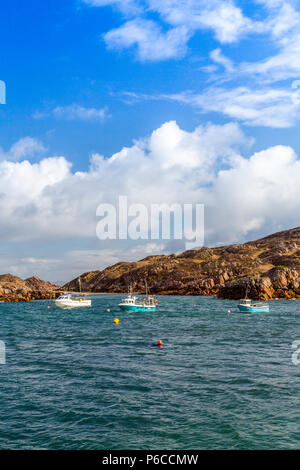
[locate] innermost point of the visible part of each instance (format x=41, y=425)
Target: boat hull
x=137, y=308
x=253, y=309
x=73, y=303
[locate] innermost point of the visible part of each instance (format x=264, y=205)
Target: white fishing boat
x=70, y=301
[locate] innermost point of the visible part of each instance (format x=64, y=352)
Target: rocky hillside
x=15, y=289
x=270, y=266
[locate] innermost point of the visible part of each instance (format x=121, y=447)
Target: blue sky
x=173, y=79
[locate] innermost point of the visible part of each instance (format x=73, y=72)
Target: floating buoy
x=159, y=343
x=48, y=306
x=116, y=321
x=228, y=311
x=108, y=310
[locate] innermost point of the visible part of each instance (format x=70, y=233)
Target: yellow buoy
x=116, y=321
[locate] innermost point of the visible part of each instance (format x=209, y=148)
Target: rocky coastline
x=15, y=289
x=270, y=267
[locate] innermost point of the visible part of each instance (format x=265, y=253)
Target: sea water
x=73, y=379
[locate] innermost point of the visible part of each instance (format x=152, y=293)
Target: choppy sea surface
x=75, y=380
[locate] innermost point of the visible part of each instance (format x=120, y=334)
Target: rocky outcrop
x=270, y=266
x=15, y=289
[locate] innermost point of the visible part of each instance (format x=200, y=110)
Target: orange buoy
x=108, y=310
x=159, y=343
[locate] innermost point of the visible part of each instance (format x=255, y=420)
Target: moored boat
x=69, y=301
x=133, y=303
x=247, y=306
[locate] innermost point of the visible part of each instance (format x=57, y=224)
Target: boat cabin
x=130, y=300
x=245, y=302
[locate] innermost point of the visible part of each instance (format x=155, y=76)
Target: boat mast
x=247, y=289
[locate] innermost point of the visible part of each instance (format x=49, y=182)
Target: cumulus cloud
x=45, y=199
x=243, y=196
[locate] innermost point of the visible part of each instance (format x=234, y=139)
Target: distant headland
x=270, y=267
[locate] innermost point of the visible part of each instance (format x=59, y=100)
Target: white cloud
x=277, y=22
x=219, y=58
x=46, y=200
x=269, y=107
x=282, y=25
x=183, y=19
x=25, y=148
x=126, y=6
x=151, y=42
x=76, y=112
x=63, y=268
x=223, y=17
x=269, y=199
x=254, y=103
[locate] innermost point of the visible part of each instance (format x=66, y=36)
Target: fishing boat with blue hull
x=132, y=303
x=246, y=306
